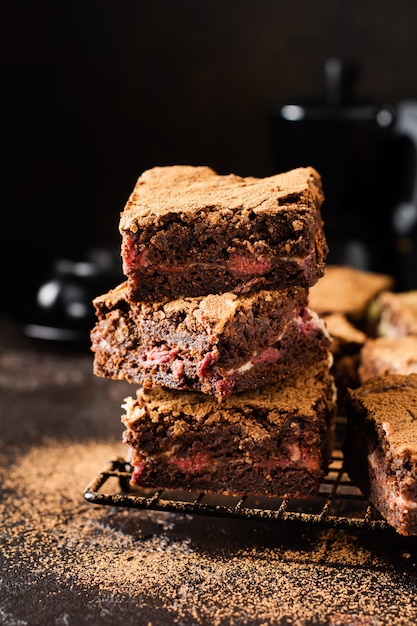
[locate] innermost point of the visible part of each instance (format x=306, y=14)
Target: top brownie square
x=187, y=231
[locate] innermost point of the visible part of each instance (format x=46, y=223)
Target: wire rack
x=339, y=503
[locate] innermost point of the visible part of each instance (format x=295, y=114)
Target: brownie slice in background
x=217, y=344
x=396, y=314
x=346, y=344
x=384, y=355
x=350, y=292
x=344, y=298
x=380, y=446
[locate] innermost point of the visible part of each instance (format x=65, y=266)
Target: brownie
x=272, y=441
x=188, y=231
x=346, y=344
x=217, y=344
x=396, y=314
x=380, y=447
x=384, y=355
x=348, y=291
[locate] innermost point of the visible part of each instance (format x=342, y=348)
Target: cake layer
x=187, y=231
x=274, y=440
x=381, y=446
x=346, y=343
x=217, y=344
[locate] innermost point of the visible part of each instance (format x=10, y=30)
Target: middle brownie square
x=217, y=344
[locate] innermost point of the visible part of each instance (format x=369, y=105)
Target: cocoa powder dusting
x=70, y=562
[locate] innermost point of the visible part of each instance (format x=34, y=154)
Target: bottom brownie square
x=274, y=440
x=381, y=446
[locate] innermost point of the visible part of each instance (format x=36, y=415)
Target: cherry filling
x=194, y=464
x=177, y=369
x=309, y=322
x=205, y=366
x=133, y=258
x=225, y=386
x=246, y=266
x=211, y=377
x=164, y=356
x=209, y=373
x=311, y=459
x=237, y=264
x=138, y=470
x=267, y=355
x=203, y=461
x=159, y=356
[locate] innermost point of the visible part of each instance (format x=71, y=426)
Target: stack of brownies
x=235, y=394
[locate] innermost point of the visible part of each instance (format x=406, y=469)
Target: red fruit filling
x=267, y=355
x=160, y=355
x=205, y=366
x=239, y=264
x=177, y=369
x=225, y=383
x=192, y=464
x=138, y=470
x=308, y=322
x=132, y=258
x=225, y=386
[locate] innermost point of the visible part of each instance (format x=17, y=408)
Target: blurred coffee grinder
x=366, y=153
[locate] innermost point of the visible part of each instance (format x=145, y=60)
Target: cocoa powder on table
x=66, y=562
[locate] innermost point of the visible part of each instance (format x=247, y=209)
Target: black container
x=366, y=155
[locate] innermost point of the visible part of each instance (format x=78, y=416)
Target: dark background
x=95, y=91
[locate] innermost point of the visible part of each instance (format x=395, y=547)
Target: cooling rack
x=339, y=503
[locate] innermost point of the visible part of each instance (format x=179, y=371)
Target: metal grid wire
x=339, y=504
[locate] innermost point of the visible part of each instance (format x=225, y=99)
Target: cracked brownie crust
x=218, y=344
x=187, y=231
x=381, y=446
x=273, y=440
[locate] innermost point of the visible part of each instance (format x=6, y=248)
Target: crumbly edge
x=385, y=470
